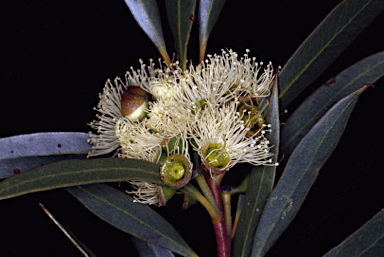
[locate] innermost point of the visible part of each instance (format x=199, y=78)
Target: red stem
x=222, y=238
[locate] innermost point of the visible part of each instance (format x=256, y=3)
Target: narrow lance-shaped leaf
x=367, y=241
x=25, y=152
x=181, y=14
x=79, y=172
x=368, y=70
x=301, y=172
x=324, y=44
x=146, y=13
x=209, y=11
x=259, y=186
x=150, y=250
x=119, y=210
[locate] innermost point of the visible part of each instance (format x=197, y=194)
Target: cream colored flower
x=200, y=104
x=145, y=193
x=138, y=141
x=110, y=109
x=219, y=135
x=224, y=77
x=162, y=83
x=169, y=118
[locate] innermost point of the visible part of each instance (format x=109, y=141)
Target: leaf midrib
x=321, y=51
x=371, y=245
x=301, y=177
x=132, y=216
x=253, y=211
x=71, y=173
x=295, y=135
x=161, y=46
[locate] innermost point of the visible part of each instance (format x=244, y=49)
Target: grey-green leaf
x=119, y=210
x=79, y=172
x=367, y=241
x=146, y=13
x=209, y=11
x=26, y=152
x=324, y=44
x=368, y=70
x=259, y=187
x=181, y=14
x=301, y=172
x=146, y=249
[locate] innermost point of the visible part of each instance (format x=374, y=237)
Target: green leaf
x=26, y=152
x=259, y=187
x=301, y=172
x=79, y=172
x=209, y=11
x=119, y=210
x=368, y=70
x=324, y=44
x=146, y=249
x=146, y=13
x=367, y=241
x=181, y=14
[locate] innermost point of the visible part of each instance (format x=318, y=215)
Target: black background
x=55, y=58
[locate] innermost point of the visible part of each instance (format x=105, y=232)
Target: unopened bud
x=164, y=193
x=133, y=105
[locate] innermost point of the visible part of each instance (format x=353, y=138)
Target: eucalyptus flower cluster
x=161, y=114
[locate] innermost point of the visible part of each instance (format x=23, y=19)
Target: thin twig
x=63, y=230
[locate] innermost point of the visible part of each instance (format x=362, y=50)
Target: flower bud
x=176, y=171
x=138, y=91
x=133, y=105
x=164, y=194
x=149, y=193
x=188, y=201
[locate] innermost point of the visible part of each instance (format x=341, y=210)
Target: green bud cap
x=176, y=171
x=216, y=157
x=174, y=142
x=162, y=158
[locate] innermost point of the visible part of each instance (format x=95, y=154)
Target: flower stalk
x=207, y=192
x=226, y=197
x=222, y=237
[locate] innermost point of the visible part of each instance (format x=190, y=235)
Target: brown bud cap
x=133, y=106
x=188, y=201
x=164, y=194
x=138, y=91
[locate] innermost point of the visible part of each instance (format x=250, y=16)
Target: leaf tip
x=365, y=87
